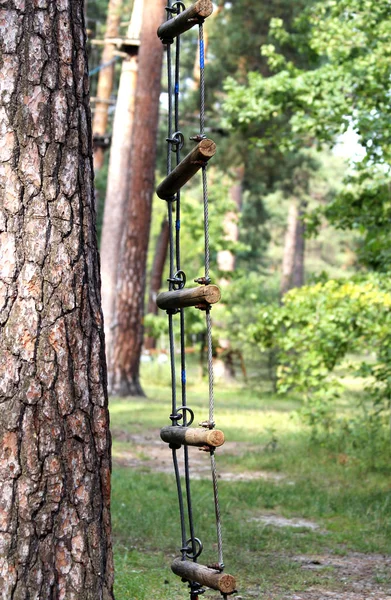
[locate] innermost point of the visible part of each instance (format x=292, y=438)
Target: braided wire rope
x=208, y=315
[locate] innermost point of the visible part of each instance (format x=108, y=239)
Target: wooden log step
x=191, y=436
x=188, y=167
x=201, y=296
x=194, y=15
x=215, y=580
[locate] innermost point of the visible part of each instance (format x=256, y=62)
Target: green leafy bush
x=313, y=335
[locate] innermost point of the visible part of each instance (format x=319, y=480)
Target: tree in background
x=117, y=190
x=106, y=79
x=156, y=278
x=346, y=86
x=129, y=312
x=54, y=438
x=266, y=168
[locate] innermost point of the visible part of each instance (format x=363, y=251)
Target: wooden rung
x=200, y=296
x=188, y=167
x=215, y=580
x=194, y=15
x=191, y=436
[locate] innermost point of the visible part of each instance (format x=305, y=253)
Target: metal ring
x=177, y=140
x=188, y=548
x=187, y=409
x=176, y=418
x=179, y=5
x=178, y=281
x=180, y=276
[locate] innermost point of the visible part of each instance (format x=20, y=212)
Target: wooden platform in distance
x=126, y=45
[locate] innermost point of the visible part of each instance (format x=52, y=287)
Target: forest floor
x=300, y=521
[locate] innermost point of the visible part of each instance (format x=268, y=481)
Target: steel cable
x=207, y=279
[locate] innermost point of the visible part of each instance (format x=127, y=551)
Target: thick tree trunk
x=226, y=258
x=226, y=262
x=298, y=265
x=159, y=260
x=54, y=437
x=293, y=258
x=105, y=79
x=128, y=333
x=118, y=178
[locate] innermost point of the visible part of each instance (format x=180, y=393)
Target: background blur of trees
x=298, y=102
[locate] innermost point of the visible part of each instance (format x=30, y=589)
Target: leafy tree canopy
x=346, y=83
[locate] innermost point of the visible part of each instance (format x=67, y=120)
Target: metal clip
x=198, y=138
x=216, y=566
x=205, y=448
x=203, y=306
x=207, y=424
x=203, y=280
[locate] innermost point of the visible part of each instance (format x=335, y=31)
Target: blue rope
x=104, y=65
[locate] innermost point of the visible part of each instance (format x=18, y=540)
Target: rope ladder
x=177, y=298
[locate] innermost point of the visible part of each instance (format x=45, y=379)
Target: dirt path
x=360, y=577
x=352, y=577
x=148, y=452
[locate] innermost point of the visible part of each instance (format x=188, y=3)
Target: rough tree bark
x=55, y=533
x=105, y=79
x=118, y=177
x=293, y=257
x=128, y=332
x=226, y=262
x=159, y=260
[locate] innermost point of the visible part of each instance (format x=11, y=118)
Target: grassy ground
x=347, y=499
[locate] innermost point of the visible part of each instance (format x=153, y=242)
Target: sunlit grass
x=343, y=494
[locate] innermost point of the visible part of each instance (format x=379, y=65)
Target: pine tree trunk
x=293, y=258
x=118, y=178
x=226, y=262
x=298, y=265
x=105, y=79
x=226, y=258
x=54, y=438
x=159, y=260
x=128, y=333
x=288, y=259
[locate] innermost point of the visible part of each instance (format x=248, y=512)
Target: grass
x=347, y=498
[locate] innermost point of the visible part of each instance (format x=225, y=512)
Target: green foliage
x=312, y=334
x=345, y=83
x=364, y=205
